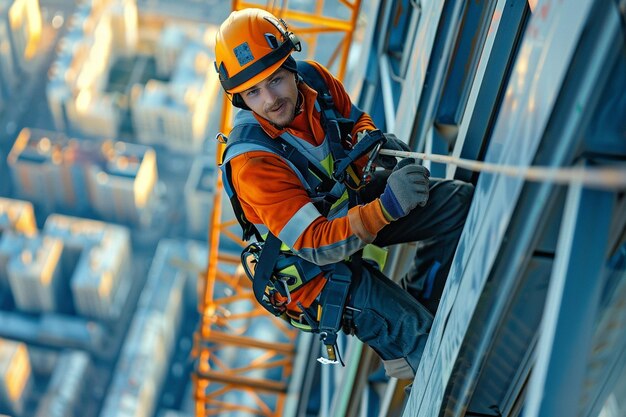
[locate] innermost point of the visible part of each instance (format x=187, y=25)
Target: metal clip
x=283, y=281
x=369, y=167
x=221, y=138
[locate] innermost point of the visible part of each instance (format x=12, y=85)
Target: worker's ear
x=237, y=101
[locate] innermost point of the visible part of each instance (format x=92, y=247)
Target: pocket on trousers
x=373, y=330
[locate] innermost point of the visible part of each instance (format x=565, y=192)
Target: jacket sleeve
x=271, y=194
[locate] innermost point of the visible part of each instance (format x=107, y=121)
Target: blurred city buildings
x=98, y=31
x=99, y=255
x=20, y=33
x=67, y=388
x=151, y=341
x=18, y=216
x=114, y=64
x=106, y=186
x=35, y=273
x=116, y=180
x=173, y=110
x=15, y=376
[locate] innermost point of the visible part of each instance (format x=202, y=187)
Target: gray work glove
x=394, y=144
x=407, y=187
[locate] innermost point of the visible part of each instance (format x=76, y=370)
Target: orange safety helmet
x=249, y=46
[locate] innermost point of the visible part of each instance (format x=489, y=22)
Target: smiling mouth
x=277, y=108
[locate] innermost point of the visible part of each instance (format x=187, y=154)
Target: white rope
x=611, y=178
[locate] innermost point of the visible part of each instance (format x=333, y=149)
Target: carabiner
x=368, y=170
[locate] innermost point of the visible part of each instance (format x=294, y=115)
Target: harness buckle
x=372, y=140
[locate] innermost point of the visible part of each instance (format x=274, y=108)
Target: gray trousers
x=394, y=320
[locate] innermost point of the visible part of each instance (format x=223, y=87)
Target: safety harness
x=275, y=271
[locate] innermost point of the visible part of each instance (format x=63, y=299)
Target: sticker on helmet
x=243, y=54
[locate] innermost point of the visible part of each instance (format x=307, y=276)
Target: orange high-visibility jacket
x=271, y=193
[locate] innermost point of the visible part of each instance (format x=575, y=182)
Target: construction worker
x=293, y=168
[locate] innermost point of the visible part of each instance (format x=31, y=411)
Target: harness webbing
x=264, y=270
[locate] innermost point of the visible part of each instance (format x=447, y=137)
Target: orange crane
x=218, y=386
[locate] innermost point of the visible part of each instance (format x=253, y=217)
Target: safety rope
x=608, y=178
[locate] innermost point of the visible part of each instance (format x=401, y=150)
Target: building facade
x=15, y=376
x=114, y=180
x=20, y=33
x=100, y=254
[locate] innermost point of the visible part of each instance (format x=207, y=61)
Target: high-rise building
x=24, y=20
x=114, y=179
x=101, y=253
x=176, y=113
x=90, y=111
x=170, y=44
x=47, y=168
x=199, y=195
x=8, y=65
x=9, y=249
x=142, y=366
x=77, y=94
x=35, y=274
x=123, y=186
x=124, y=24
x=20, y=32
x=29, y=163
x=67, y=386
x=199, y=200
x=18, y=216
x=140, y=371
x=15, y=376
x=100, y=274
x=76, y=234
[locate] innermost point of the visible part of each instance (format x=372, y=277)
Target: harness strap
x=248, y=229
x=289, y=152
x=280, y=146
x=337, y=127
x=333, y=300
x=264, y=269
x=364, y=146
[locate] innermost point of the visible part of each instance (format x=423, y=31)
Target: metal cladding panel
x=487, y=86
x=431, y=12
x=607, y=362
x=513, y=344
x=571, y=307
x=537, y=76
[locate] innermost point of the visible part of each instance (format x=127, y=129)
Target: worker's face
x=274, y=98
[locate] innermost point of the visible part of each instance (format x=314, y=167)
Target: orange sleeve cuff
x=367, y=220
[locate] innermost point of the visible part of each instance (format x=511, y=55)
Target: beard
x=281, y=113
